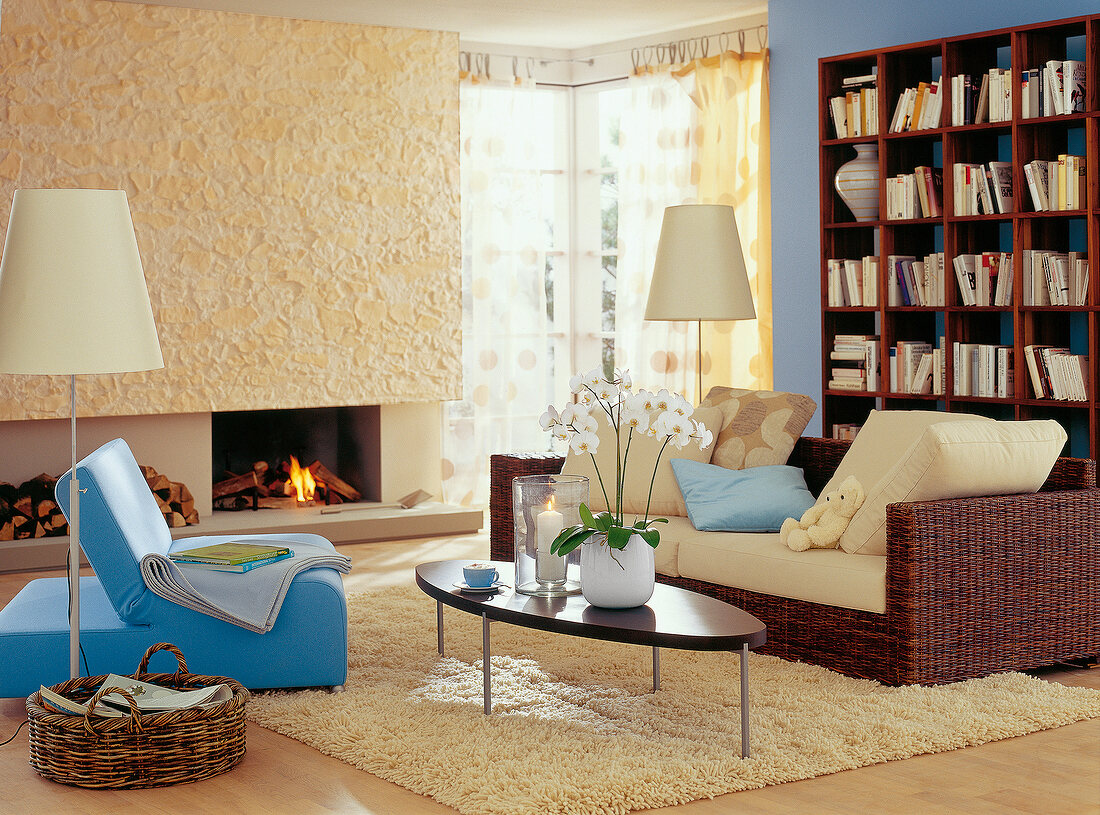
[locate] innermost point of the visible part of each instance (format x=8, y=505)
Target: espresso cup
x=480, y=575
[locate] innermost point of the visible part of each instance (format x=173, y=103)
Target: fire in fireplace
x=286, y=485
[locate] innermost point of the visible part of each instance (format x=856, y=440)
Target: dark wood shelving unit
x=1018, y=141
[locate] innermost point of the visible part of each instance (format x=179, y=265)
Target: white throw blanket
x=249, y=599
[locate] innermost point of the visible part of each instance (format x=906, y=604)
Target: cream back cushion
x=643, y=452
x=958, y=460
x=881, y=442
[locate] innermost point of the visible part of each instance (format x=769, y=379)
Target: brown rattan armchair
x=973, y=585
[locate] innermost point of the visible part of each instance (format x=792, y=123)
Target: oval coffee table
x=673, y=618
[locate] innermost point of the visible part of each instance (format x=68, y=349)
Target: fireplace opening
x=294, y=457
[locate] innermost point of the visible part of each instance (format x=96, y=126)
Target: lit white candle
x=548, y=524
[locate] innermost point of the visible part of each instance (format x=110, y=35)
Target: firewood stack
x=266, y=487
x=30, y=511
x=174, y=499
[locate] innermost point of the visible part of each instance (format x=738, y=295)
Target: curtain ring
x=465, y=54
x=647, y=55
x=693, y=46
x=724, y=41
x=762, y=36
x=681, y=51
x=636, y=58
x=530, y=67
x=704, y=46
x=741, y=42
x=515, y=67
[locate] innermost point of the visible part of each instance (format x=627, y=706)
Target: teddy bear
x=822, y=524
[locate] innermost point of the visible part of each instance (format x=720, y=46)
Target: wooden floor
x=1054, y=771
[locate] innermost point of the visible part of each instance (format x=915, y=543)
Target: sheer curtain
x=506, y=353
x=731, y=93
x=655, y=150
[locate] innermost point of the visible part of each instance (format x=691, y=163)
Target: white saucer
x=461, y=586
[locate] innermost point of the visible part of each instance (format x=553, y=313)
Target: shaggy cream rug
x=575, y=728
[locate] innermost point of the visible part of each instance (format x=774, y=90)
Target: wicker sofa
x=973, y=586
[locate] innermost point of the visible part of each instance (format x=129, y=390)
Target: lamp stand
x=699, y=362
x=74, y=545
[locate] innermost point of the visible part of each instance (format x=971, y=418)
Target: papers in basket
x=149, y=698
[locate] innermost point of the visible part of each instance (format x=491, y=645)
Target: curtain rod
x=682, y=50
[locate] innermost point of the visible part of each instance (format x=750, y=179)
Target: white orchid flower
x=680, y=406
x=576, y=383
x=569, y=414
x=662, y=400
x=561, y=432
x=550, y=418
x=702, y=435
x=630, y=417
x=584, y=423
x=642, y=400
x=622, y=376
x=606, y=391
x=676, y=428
x=582, y=443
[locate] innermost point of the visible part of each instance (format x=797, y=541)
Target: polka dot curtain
x=506, y=351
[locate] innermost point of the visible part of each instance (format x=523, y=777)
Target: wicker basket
x=138, y=751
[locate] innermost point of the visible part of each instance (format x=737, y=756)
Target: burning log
x=334, y=483
x=285, y=485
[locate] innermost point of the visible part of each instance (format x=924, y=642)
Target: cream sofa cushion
x=881, y=442
x=643, y=452
x=958, y=460
x=757, y=561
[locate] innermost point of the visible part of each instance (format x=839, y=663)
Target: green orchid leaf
x=565, y=534
x=658, y=520
x=618, y=537
x=603, y=521
x=586, y=516
x=564, y=545
x=574, y=542
x=651, y=536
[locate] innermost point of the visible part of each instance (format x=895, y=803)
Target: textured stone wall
x=294, y=188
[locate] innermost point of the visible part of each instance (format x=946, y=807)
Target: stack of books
x=1056, y=373
x=1057, y=185
x=985, y=279
x=1055, y=278
x=919, y=108
x=856, y=112
x=231, y=556
x=917, y=367
x=846, y=431
x=1055, y=89
x=913, y=282
x=854, y=363
x=983, y=189
x=853, y=282
x=983, y=370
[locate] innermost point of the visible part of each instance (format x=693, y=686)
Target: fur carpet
x=575, y=728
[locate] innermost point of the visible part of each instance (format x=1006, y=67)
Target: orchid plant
x=661, y=415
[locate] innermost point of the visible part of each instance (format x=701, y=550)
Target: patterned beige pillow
x=758, y=427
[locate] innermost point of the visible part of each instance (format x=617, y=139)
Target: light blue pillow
x=757, y=499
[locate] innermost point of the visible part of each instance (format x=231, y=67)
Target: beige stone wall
x=294, y=188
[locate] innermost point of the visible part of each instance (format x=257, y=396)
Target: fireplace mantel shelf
x=356, y=523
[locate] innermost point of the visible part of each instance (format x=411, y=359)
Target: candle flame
x=550, y=504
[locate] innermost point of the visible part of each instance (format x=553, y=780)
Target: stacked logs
x=31, y=511
x=266, y=487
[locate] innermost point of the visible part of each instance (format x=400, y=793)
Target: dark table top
x=673, y=617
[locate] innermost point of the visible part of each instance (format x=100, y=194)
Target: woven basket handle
x=163, y=646
x=135, y=714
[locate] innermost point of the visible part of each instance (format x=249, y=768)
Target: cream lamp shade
x=699, y=273
x=73, y=298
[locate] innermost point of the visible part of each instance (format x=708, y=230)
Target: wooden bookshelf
x=1017, y=141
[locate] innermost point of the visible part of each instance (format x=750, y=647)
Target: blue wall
x=799, y=33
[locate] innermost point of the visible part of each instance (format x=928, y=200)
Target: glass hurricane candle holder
x=542, y=506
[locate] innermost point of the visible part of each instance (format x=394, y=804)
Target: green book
x=230, y=553
x=233, y=567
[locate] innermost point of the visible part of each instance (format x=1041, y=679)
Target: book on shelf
x=983, y=370
x=915, y=195
x=856, y=112
x=909, y=372
x=845, y=431
x=1057, y=185
x=919, y=108
x=984, y=279
x=913, y=282
x=854, y=362
x=1057, y=373
x=983, y=189
x=230, y=553
x=1054, y=278
x=852, y=282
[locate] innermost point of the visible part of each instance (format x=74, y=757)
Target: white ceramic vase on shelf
x=857, y=182
x=616, y=578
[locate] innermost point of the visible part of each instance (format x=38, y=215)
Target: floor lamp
x=73, y=301
x=699, y=273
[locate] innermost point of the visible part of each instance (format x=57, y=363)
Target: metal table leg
x=439, y=626
x=656, y=669
x=485, y=663
x=744, y=701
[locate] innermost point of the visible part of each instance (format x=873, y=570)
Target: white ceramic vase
x=616, y=578
x=857, y=182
